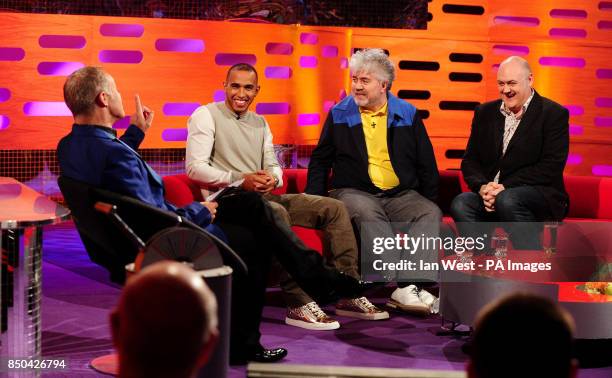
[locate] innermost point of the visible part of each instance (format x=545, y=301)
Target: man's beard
x=362, y=101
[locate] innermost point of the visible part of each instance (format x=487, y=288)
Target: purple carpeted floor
x=77, y=298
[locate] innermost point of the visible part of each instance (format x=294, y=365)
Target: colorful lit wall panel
x=446, y=70
x=175, y=65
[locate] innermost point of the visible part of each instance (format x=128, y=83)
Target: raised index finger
x=138, y=104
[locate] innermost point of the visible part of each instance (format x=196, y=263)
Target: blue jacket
x=342, y=148
x=95, y=156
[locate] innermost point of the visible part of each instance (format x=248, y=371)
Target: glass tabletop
x=21, y=206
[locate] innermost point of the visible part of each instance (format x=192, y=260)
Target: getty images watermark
x=462, y=251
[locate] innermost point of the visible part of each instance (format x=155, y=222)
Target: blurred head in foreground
x=522, y=335
x=166, y=322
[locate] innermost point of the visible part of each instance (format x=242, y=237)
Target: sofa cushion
x=590, y=197
x=180, y=190
x=294, y=181
x=449, y=187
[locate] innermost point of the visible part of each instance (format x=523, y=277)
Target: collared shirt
x=379, y=164
x=511, y=123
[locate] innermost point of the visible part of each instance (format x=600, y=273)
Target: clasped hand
x=260, y=181
x=488, y=193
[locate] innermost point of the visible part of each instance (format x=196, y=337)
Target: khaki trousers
x=331, y=217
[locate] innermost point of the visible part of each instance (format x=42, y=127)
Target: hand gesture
x=269, y=185
x=253, y=182
x=143, y=116
x=212, y=209
x=488, y=193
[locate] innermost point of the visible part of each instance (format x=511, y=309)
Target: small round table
x=464, y=293
x=23, y=213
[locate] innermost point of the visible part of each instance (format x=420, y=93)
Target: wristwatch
x=275, y=181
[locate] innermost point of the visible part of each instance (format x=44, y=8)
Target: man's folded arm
x=133, y=136
x=270, y=162
x=427, y=169
x=470, y=165
x=321, y=160
x=123, y=175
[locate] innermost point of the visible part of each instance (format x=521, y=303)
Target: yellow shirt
x=375, y=131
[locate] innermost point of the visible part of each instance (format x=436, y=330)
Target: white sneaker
x=430, y=300
x=310, y=316
x=407, y=299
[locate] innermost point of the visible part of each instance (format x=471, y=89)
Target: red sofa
x=181, y=190
x=590, y=197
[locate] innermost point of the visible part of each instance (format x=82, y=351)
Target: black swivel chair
x=114, y=241
x=109, y=246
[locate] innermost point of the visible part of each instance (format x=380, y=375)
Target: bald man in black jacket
x=515, y=157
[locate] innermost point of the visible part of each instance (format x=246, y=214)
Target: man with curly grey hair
x=384, y=171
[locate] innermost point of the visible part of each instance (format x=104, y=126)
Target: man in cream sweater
x=227, y=143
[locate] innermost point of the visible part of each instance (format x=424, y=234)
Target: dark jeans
x=520, y=206
x=256, y=234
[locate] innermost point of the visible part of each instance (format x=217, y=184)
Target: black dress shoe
x=268, y=355
x=258, y=355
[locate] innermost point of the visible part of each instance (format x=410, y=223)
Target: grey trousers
x=325, y=214
x=377, y=215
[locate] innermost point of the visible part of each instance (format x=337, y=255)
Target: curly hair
x=376, y=61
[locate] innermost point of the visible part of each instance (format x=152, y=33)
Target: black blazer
x=536, y=154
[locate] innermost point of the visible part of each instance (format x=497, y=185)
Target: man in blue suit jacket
x=112, y=163
x=93, y=154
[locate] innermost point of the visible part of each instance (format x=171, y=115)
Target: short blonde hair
x=82, y=87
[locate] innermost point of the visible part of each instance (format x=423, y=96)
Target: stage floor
x=77, y=298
